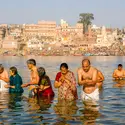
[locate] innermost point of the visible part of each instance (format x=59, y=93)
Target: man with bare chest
x=87, y=76
x=34, y=78
x=119, y=73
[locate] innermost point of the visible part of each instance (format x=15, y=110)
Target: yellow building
x=46, y=30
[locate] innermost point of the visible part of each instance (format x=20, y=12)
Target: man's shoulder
x=93, y=68
x=123, y=70
x=34, y=69
x=116, y=70
x=5, y=70
x=80, y=69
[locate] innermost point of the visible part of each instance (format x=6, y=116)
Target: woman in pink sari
x=66, y=83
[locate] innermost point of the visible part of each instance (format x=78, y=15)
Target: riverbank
x=114, y=50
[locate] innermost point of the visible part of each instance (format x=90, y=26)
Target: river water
x=21, y=110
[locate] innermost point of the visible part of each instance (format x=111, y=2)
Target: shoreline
x=58, y=55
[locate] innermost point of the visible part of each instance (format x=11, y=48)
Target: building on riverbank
x=44, y=30
x=9, y=42
x=106, y=37
x=2, y=35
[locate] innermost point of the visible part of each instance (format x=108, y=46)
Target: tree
x=86, y=20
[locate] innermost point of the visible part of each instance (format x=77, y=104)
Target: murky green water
x=19, y=109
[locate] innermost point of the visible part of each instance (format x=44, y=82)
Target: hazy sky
x=106, y=12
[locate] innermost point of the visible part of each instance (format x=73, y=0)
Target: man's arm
x=101, y=77
x=123, y=74
x=80, y=80
x=93, y=81
x=34, y=81
x=114, y=75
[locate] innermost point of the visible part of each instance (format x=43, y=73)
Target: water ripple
x=22, y=110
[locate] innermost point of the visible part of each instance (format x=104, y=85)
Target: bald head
x=86, y=60
x=86, y=64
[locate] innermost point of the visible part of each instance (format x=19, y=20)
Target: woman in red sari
x=44, y=88
x=66, y=83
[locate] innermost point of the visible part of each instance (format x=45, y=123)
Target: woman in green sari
x=15, y=81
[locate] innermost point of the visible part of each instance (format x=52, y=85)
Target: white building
x=106, y=38
x=95, y=27
x=34, y=44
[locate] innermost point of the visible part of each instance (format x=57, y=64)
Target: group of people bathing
x=40, y=84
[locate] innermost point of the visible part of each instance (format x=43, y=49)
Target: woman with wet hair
x=44, y=88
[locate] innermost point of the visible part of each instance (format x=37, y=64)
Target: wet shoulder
x=80, y=70
x=93, y=68
x=5, y=71
x=116, y=70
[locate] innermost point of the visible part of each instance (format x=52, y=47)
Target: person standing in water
x=44, y=88
x=34, y=77
x=87, y=77
x=66, y=83
x=119, y=73
x=4, y=78
x=15, y=81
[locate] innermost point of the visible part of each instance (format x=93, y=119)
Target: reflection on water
x=90, y=113
x=20, y=109
x=65, y=109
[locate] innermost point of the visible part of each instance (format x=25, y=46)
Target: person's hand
x=62, y=78
x=32, y=87
x=12, y=87
x=7, y=86
x=117, y=78
x=121, y=77
x=35, y=90
x=59, y=84
x=87, y=80
x=25, y=85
